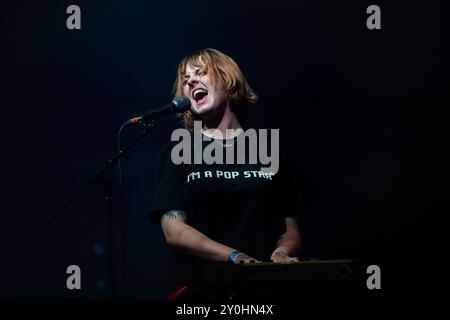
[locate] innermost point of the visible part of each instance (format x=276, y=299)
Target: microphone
x=178, y=104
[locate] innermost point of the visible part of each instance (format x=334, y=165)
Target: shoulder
x=187, y=136
x=168, y=146
x=169, y=156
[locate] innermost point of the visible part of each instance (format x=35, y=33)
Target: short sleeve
x=167, y=193
x=288, y=187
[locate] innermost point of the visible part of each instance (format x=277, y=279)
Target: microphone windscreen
x=182, y=103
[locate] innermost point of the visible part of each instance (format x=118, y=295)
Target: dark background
x=361, y=110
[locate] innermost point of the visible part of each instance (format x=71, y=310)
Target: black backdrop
x=360, y=109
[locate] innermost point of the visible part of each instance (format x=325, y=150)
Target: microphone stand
x=104, y=176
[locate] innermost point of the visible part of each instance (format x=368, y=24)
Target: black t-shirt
x=237, y=205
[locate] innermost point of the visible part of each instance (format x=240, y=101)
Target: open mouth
x=200, y=95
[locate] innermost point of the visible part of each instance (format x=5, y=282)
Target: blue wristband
x=232, y=255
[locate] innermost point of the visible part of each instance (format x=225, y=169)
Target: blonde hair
x=224, y=70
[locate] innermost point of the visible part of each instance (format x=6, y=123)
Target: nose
x=192, y=80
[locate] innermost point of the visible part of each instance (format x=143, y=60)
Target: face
x=198, y=87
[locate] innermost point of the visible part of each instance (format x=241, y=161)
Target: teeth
x=197, y=91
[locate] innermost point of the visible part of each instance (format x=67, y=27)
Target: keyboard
x=270, y=271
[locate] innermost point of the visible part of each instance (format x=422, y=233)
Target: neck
x=222, y=122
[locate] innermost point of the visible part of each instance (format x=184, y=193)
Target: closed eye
x=198, y=72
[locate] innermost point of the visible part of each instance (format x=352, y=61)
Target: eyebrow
x=195, y=71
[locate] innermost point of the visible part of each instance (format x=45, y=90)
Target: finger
x=254, y=261
x=278, y=260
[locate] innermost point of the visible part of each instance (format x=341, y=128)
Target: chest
x=226, y=180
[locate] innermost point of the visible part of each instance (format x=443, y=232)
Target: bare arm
x=179, y=234
x=289, y=243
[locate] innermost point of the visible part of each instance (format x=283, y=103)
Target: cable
x=122, y=205
x=146, y=128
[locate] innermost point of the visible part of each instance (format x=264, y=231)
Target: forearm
x=290, y=241
x=181, y=235
x=197, y=243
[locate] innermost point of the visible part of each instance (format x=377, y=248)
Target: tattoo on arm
x=175, y=214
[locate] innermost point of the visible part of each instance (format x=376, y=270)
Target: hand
x=280, y=256
x=244, y=258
